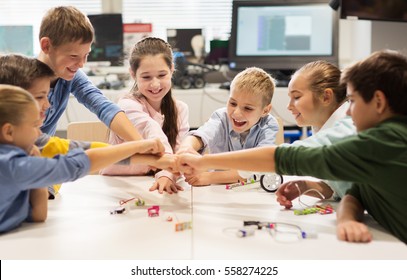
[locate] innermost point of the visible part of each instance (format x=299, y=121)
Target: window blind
x=28, y=12
x=213, y=16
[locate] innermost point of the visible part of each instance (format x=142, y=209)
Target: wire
x=303, y=204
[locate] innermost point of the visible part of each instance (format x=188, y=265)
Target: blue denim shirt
x=20, y=173
x=218, y=136
x=86, y=93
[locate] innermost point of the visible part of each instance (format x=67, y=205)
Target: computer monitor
x=17, y=39
x=282, y=35
x=108, y=45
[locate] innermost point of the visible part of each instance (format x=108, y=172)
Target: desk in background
x=79, y=226
x=201, y=102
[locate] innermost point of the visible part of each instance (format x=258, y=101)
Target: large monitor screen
x=17, y=39
x=282, y=35
x=108, y=45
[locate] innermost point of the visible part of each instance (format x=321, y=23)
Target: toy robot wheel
x=271, y=182
x=185, y=83
x=199, y=82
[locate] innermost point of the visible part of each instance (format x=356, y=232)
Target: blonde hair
x=66, y=24
x=322, y=75
x=255, y=81
x=14, y=102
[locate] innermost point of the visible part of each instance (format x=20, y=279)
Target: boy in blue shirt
x=245, y=123
x=66, y=35
x=375, y=159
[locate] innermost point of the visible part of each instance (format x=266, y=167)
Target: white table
x=216, y=209
x=80, y=226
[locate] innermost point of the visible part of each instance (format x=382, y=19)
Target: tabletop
x=197, y=223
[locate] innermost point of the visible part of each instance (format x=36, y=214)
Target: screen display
x=282, y=34
x=17, y=39
x=108, y=44
x=284, y=30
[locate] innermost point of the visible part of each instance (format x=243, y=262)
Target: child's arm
x=39, y=204
x=166, y=161
x=105, y=156
x=349, y=216
x=213, y=177
x=38, y=197
x=191, y=144
x=122, y=126
x=256, y=159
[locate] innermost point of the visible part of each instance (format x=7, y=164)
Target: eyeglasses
x=280, y=231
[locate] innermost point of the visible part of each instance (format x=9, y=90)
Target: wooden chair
x=88, y=131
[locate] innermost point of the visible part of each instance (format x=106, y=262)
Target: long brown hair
x=156, y=46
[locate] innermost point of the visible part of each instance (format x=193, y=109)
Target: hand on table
x=166, y=184
x=353, y=231
x=289, y=191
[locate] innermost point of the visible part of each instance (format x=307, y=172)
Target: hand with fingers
x=166, y=184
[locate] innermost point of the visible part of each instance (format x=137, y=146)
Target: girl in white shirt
x=317, y=99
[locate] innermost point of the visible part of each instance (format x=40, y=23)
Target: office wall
x=389, y=35
x=359, y=38
x=354, y=40
x=112, y=6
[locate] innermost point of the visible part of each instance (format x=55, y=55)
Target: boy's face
x=364, y=115
x=39, y=89
x=66, y=59
x=305, y=108
x=245, y=110
x=26, y=133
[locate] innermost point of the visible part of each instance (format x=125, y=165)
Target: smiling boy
x=66, y=35
x=245, y=123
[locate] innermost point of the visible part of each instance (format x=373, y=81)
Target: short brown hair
x=384, y=70
x=13, y=103
x=22, y=71
x=256, y=81
x=66, y=24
